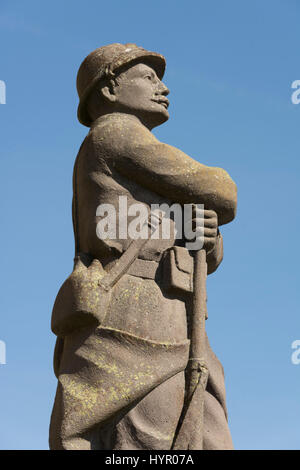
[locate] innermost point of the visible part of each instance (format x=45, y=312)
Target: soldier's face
x=139, y=91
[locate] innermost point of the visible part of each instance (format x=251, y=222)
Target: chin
x=159, y=118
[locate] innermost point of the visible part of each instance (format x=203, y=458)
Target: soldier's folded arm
x=171, y=173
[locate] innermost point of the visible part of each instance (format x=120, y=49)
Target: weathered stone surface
x=124, y=327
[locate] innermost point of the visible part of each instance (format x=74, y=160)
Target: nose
x=163, y=89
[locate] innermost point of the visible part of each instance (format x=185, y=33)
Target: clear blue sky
x=230, y=66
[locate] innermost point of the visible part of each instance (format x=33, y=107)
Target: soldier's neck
x=119, y=115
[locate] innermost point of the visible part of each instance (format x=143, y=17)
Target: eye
x=148, y=77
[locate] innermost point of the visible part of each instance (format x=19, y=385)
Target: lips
x=163, y=101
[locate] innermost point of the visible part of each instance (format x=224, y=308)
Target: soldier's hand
x=204, y=226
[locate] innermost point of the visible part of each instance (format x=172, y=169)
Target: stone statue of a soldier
x=122, y=316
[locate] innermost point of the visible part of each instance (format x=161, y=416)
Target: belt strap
x=130, y=255
x=143, y=268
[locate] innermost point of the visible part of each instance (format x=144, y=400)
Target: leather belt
x=143, y=268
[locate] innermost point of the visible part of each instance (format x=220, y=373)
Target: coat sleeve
x=170, y=172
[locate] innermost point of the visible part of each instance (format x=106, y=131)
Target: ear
x=108, y=92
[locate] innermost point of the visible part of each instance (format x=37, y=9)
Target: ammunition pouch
x=178, y=267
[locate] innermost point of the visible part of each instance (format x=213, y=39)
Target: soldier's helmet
x=104, y=62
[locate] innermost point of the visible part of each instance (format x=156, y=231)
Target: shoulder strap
x=130, y=255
